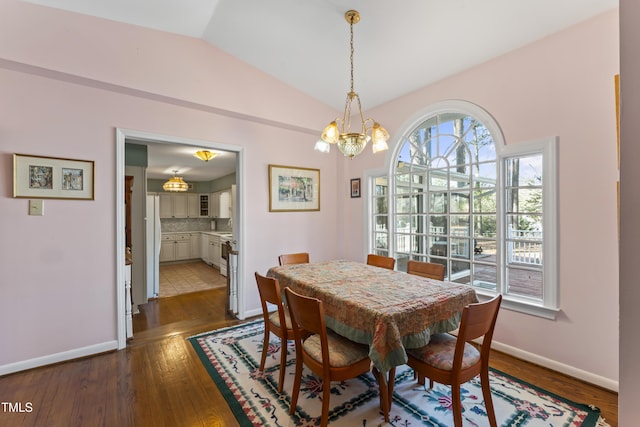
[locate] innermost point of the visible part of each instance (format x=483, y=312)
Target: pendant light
x=175, y=184
x=351, y=143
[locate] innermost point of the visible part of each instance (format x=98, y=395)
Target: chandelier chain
x=351, y=56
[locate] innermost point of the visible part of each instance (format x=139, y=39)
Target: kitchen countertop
x=218, y=233
x=213, y=233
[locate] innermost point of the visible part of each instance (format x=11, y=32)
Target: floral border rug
x=232, y=356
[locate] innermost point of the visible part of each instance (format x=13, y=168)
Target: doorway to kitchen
x=186, y=229
x=188, y=276
x=176, y=271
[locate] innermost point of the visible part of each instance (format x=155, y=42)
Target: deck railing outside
x=525, y=247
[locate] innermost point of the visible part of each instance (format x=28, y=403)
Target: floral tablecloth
x=388, y=310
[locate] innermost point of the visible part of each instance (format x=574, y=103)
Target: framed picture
x=39, y=177
x=355, y=187
x=293, y=189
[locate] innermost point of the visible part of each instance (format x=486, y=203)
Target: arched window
x=457, y=196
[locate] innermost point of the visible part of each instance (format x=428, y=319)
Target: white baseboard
x=580, y=374
x=58, y=357
x=251, y=313
x=589, y=377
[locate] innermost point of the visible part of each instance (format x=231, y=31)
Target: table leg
x=391, y=382
x=385, y=385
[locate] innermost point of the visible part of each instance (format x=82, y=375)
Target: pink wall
x=69, y=93
x=560, y=86
x=145, y=60
x=57, y=286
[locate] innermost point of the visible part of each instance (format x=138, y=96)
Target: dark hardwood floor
x=159, y=381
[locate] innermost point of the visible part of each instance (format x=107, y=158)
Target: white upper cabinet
x=193, y=206
x=225, y=204
x=196, y=205
x=221, y=204
x=176, y=205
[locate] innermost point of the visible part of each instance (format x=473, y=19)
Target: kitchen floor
x=183, y=278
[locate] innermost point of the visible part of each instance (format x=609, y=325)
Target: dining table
x=388, y=310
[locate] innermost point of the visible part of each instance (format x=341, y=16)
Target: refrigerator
x=152, y=248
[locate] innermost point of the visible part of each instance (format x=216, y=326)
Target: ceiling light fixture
x=352, y=143
x=205, y=155
x=175, y=184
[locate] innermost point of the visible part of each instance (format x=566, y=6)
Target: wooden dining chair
x=454, y=361
x=426, y=269
x=328, y=355
x=299, y=258
x=277, y=322
x=381, y=261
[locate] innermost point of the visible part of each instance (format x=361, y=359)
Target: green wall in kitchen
x=222, y=183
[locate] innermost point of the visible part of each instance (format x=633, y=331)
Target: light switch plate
x=36, y=207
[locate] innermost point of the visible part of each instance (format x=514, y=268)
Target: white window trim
x=549, y=307
x=367, y=193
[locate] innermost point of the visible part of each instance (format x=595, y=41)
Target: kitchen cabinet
x=190, y=205
x=167, y=252
x=194, y=242
x=225, y=204
x=197, y=205
x=204, y=249
x=166, y=205
x=214, y=204
x=210, y=249
x=193, y=205
x=204, y=205
x=173, y=206
x=216, y=250
x=183, y=249
x=175, y=247
x=221, y=204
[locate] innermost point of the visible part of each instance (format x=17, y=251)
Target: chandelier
x=205, y=155
x=351, y=143
x=175, y=184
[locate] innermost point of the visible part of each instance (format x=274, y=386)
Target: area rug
x=232, y=357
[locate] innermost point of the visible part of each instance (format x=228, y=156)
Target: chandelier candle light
x=175, y=184
x=352, y=143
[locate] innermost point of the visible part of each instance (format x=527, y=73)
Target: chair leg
x=283, y=362
x=488, y=401
x=296, y=384
x=456, y=404
x=265, y=348
x=421, y=379
x=326, y=395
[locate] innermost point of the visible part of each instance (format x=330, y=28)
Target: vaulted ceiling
x=400, y=46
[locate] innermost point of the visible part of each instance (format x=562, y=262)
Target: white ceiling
x=165, y=158
x=400, y=46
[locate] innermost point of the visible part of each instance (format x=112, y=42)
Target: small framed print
x=355, y=187
x=39, y=177
x=293, y=189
